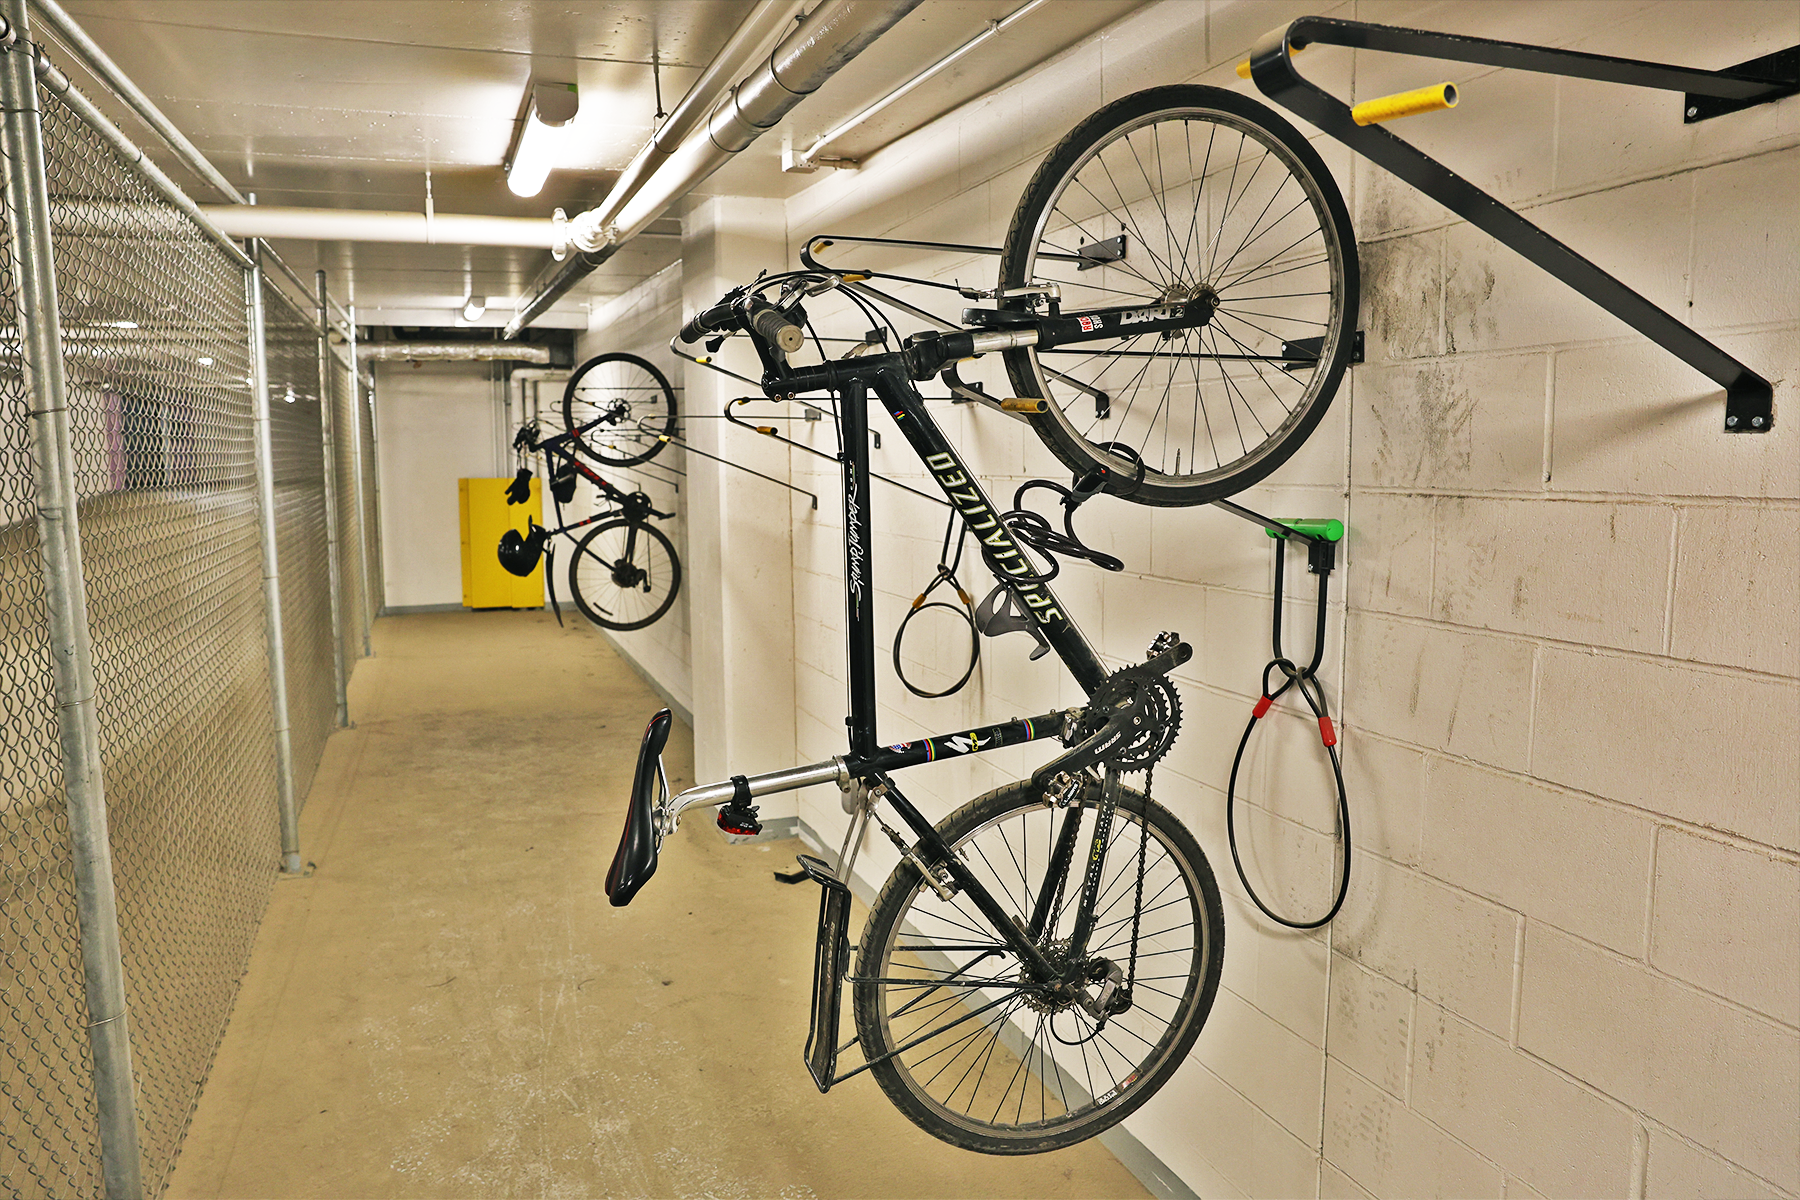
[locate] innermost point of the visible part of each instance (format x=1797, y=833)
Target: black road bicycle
x=624, y=572
x=1176, y=303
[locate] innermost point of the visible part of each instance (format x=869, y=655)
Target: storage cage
x=186, y=515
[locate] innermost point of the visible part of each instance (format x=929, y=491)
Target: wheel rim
x=622, y=591
x=623, y=407
x=1212, y=404
x=1007, y=1060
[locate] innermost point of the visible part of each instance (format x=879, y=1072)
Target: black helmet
x=519, y=553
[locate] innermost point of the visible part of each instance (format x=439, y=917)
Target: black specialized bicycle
x=1175, y=306
x=624, y=572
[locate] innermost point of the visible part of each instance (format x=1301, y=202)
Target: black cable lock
x=946, y=573
x=1321, y=559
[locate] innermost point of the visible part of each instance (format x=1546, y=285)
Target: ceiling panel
x=350, y=103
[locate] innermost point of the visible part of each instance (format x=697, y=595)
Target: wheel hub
x=627, y=574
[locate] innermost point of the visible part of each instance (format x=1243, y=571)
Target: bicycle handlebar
x=753, y=315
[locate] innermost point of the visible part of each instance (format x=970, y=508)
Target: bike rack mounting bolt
x=1729, y=421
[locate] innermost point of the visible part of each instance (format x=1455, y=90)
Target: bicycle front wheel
x=620, y=408
x=974, y=1052
x=1162, y=197
x=624, y=575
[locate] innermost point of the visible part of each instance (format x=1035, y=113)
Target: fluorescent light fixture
x=473, y=306
x=552, y=107
x=204, y=361
x=121, y=324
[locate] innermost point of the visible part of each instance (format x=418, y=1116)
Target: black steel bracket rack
x=1749, y=398
x=1309, y=532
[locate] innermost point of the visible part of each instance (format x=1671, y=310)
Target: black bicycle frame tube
x=1002, y=553
x=559, y=449
x=954, y=745
x=859, y=568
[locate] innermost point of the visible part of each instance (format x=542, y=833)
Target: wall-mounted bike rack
x=1749, y=398
x=966, y=393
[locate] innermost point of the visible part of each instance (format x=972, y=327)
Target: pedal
x=831, y=962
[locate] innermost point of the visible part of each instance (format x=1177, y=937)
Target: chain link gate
x=139, y=819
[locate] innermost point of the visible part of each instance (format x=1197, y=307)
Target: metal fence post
x=362, y=499
x=265, y=490
x=339, y=666
x=375, y=543
x=78, y=733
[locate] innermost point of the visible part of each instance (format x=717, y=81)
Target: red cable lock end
x=1326, y=733
x=1262, y=708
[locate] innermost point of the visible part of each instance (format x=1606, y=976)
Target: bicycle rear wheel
x=987, y=1061
x=620, y=408
x=1161, y=197
x=624, y=575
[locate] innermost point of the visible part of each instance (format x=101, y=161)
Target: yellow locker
x=485, y=516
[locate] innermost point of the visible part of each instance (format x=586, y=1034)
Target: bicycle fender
x=634, y=862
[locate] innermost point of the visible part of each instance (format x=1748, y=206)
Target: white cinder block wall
x=639, y=323
x=1565, y=639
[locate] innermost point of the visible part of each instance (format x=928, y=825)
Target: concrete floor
x=448, y=1006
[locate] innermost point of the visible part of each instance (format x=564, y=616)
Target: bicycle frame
x=868, y=764
x=868, y=760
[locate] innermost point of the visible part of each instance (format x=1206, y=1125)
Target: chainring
x=1162, y=707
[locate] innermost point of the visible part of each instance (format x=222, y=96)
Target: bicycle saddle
x=635, y=860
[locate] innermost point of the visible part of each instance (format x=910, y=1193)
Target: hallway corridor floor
x=447, y=1006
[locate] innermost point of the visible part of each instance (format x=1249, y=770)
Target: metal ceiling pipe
x=371, y=225
x=769, y=19
x=451, y=352
x=808, y=160
x=107, y=72
x=836, y=32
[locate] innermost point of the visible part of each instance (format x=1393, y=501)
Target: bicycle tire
x=1277, y=252
x=632, y=400
x=1048, y=1098
x=609, y=571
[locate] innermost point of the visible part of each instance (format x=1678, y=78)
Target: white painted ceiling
x=349, y=103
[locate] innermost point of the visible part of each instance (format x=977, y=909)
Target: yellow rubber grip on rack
x=1243, y=68
x=1025, y=405
x=1405, y=104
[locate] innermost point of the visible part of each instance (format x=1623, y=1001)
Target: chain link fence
x=156, y=349
x=302, y=539
x=49, y=1125
x=159, y=368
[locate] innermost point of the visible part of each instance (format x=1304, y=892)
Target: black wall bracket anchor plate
x=1783, y=64
x=1749, y=397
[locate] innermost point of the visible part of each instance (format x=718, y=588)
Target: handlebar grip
x=717, y=319
x=773, y=327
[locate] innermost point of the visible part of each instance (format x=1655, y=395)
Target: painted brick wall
x=1565, y=644
x=639, y=323
x=1568, y=964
